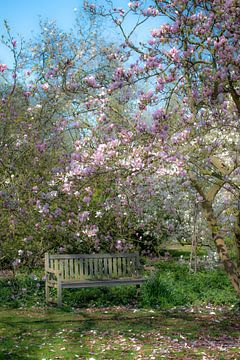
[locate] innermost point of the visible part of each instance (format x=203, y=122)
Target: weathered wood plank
x=110, y=269
x=59, y=291
x=81, y=274
x=124, y=267
x=128, y=267
x=137, y=266
x=131, y=265
x=119, y=266
x=61, y=267
x=115, y=272
x=46, y=258
x=66, y=269
x=71, y=275
x=55, y=266
x=105, y=267
x=93, y=256
x=95, y=267
x=76, y=269
x=90, y=267
x=100, y=283
x=100, y=267
x=86, y=273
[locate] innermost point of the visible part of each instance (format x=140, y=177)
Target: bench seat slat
x=102, y=283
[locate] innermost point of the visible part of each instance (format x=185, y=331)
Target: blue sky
x=23, y=18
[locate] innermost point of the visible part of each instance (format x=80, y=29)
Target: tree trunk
x=230, y=267
x=237, y=235
x=193, y=254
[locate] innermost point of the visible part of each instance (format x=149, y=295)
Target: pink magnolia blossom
x=174, y=53
x=3, y=67
x=91, y=81
x=45, y=86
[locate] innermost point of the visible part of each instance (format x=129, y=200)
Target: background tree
x=193, y=60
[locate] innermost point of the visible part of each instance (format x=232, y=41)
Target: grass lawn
x=119, y=332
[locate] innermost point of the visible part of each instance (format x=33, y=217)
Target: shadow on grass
x=43, y=334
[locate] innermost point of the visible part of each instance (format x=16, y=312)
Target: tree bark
x=237, y=236
x=230, y=267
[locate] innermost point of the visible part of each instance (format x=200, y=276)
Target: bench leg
x=46, y=292
x=138, y=287
x=59, y=294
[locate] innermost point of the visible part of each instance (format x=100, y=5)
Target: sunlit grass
x=111, y=333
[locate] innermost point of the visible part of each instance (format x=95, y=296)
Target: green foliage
x=28, y=290
x=173, y=285
x=183, y=251
x=21, y=291
x=97, y=297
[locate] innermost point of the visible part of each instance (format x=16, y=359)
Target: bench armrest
x=51, y=274
x=52, y=271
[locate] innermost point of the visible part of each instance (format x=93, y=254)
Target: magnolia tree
x=47, y=101
x=191, y=62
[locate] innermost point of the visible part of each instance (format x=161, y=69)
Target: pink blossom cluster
x=3, y=67
x=174, y=54
x=52, y=72
x=133, y=5
x=159, y=114
x=91, y=7
x=146, y=99
x=181, y=136
x=150, y=11
x=45, y=86
x=91, y=81
x=153, y=62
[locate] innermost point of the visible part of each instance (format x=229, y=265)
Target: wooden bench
x=85, y=271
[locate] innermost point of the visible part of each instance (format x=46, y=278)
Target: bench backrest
x=96, y=266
